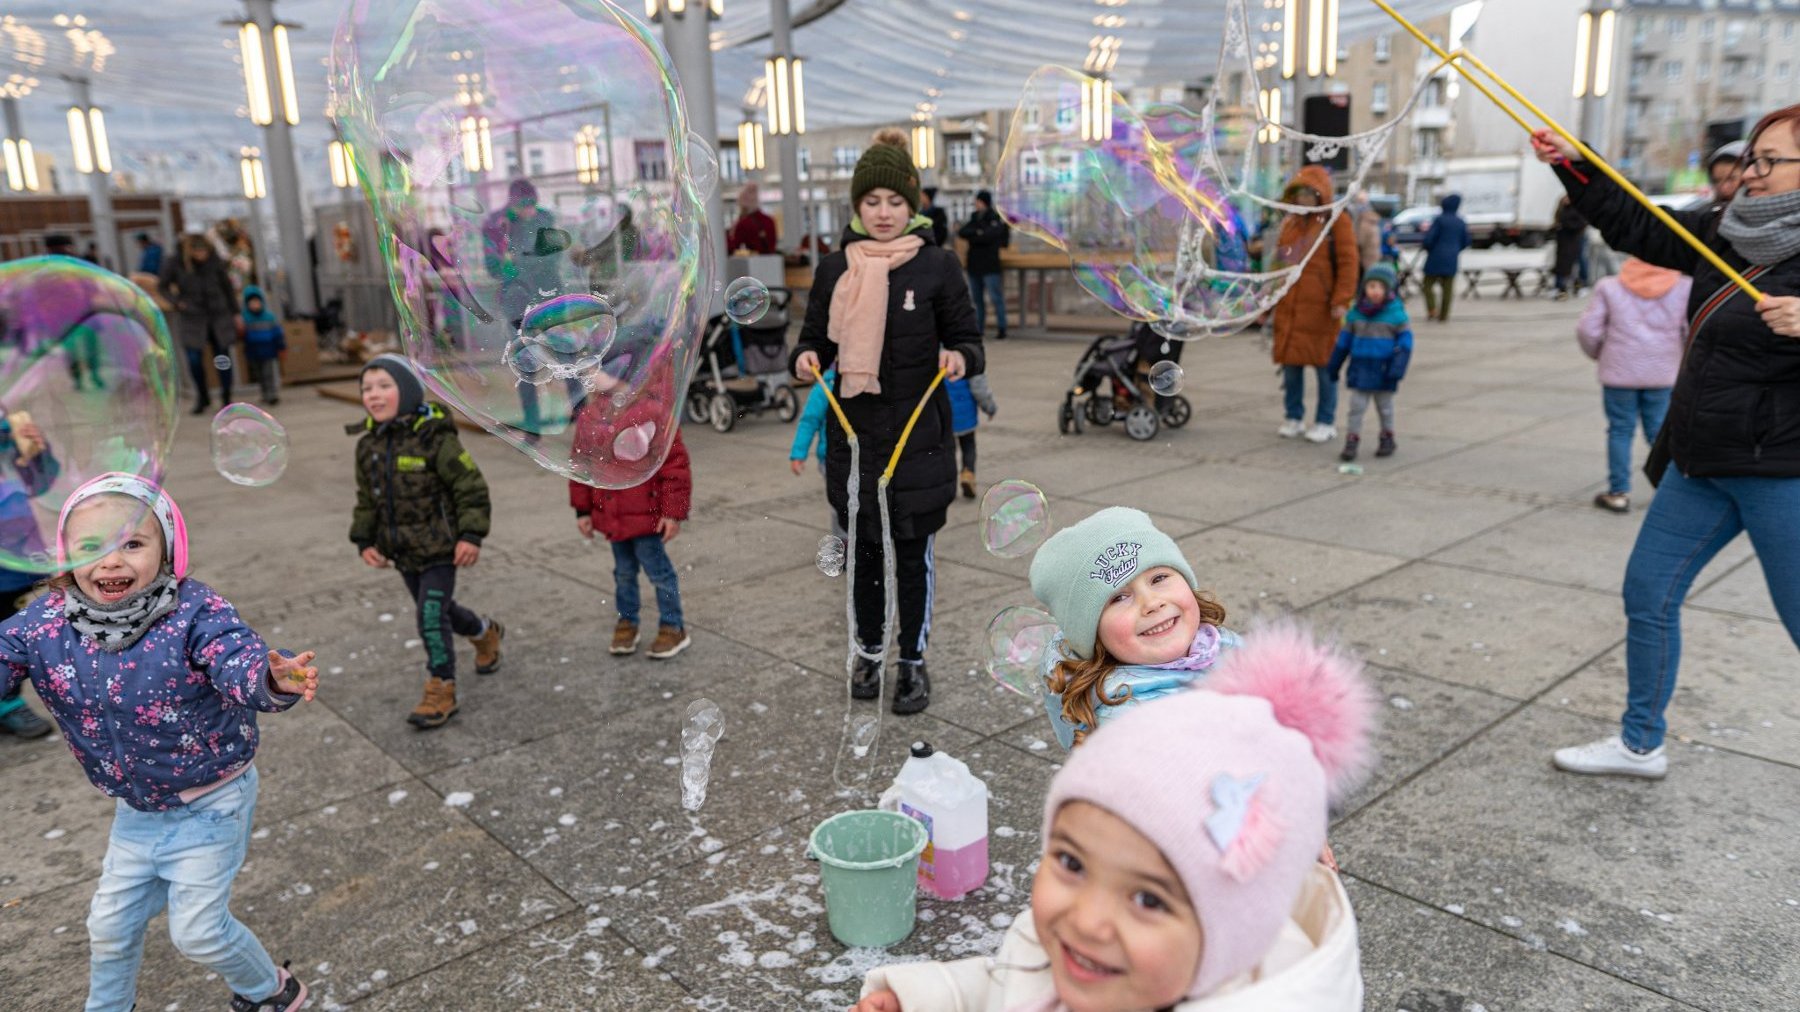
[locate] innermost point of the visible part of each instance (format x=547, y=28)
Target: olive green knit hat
x=887, y=163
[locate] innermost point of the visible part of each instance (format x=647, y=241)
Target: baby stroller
x=1121, y=364
x=743, y=368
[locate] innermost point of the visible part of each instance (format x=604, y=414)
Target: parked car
x=1409, y=225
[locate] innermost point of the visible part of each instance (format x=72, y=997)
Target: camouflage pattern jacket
x=418, y=492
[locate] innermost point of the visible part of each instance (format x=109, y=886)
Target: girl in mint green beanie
x=1133, y=626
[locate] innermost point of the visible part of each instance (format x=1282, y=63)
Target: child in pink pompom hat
x=1181, y=856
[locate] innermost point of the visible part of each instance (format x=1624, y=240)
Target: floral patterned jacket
x=173, y=711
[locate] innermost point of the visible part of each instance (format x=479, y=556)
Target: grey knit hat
x=1080, y=568
x=412, y=392
x=887, y=163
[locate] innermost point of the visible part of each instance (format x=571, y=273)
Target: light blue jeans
x=1293, y=385
x=1687, y=524
x=1625, y=409
x=185, y=859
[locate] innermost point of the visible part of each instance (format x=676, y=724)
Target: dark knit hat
x=985, y=196
x=412, y=392
x=887, y=163
x=1383, y=272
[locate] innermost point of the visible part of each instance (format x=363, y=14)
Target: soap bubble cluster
x=1018, y=639
x=1166, y=378
x=249, y=447
x=831, y=555
x=701, y=729
x=87, y=387
x=1015, y=518
x=555, y=299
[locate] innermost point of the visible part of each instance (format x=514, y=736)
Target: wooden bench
x=1512, y=277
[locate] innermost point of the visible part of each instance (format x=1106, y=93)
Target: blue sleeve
x=1403, y=345
x=1431, y=234
x=15, y=655
x=812, y=419
x=232, y=656
x=1340, y=352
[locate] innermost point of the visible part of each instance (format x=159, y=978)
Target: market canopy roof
x=174, y=95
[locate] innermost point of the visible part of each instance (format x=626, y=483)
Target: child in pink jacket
x=1635, y=327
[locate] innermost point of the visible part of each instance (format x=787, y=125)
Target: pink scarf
x=859, y=310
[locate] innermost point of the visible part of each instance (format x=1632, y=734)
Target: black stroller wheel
x=1177, y=411
x=1100, y=409
x=787, y=405
x=1067, y=420
x=698, y=407
x=1141, y=423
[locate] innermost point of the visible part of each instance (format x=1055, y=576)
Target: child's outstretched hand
x=294, y=675
x=466, y=553
x=796, y=466
x=372, y=556
x=880, y=1001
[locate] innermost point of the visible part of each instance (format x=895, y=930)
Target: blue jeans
x=648, y=554
x=1293, y=382
x=980, y=287
x=1624, y=410
x=185, y=859
x=1687, y=524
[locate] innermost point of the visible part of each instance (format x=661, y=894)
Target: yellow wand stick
x=1454, y=59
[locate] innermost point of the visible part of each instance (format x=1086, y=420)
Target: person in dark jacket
x=150, y=254
x=206, y=313
x=422, y=508
x=987, y=234
x=1571, y=235
x=1444, y=242
x=890, y=310
x=1727, y=458
x=1377, y=342
x=940, y=222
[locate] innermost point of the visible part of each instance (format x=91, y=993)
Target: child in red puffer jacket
x=638, y=521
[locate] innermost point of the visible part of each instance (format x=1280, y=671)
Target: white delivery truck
x=1506, y=199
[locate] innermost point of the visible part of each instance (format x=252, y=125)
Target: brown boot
x=438, y=705
x=487, y=647
x=669, y=642
x=967, y=480
x=625, y=637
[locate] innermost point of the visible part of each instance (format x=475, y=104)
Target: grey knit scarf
x=113, y=627
x=1765, y=230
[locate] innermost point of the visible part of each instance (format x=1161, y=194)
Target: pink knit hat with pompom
x=1232, y=782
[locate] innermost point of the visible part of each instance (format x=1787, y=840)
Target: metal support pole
x=259, y=247
x=690, y=49
x=100, y=206
x=284, y=174
x=781, y=36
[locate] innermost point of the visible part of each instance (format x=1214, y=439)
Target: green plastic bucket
x=869, y=868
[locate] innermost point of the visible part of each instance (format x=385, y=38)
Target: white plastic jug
x=940, y=792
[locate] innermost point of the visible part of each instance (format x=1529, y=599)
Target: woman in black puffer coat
x=890, y=309
x=1728, y=456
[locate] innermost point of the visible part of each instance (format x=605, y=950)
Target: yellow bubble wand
x=1461, y=56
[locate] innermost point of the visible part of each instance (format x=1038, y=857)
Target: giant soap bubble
x=87, y=386
x=542, y=212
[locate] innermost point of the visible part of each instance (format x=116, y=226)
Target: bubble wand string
x=1456, y=59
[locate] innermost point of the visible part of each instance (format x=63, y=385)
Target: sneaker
x=669, y=642
x=1291, y=428
x=290, y=995
x=435, y=708
x=487, y=647
x=22, y=723
x=1350, y=444
x=625, y=637
x=1321, y=433
x=865, y=681
x=1000, y=335
x=912, y=689
x=1617, y=502
x=967, y=480
x=1386, y=447
x=1610, y=756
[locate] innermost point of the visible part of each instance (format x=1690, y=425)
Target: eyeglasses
x=1762, y=165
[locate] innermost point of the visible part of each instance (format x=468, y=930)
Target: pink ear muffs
x=168, y=515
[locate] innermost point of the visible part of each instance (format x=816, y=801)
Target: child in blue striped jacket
x=1377, y=341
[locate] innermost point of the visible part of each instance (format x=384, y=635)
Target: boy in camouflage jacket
x=422, y=507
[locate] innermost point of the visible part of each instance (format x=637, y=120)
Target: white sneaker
x=1609, y=756
x=1321, y=434
x=1291, y=428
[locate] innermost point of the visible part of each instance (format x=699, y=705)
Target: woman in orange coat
x=1309, y=315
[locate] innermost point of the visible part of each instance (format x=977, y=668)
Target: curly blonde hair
x=1082, y=684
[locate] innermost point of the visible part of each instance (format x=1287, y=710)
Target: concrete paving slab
x=1570, y=545
x=1391, y=519
x=1499, y=634
x=1681, y=886
x=1216, y=493
x=1509, y=467
x=1251, y=573
x=1735, y=688
x=1743, y=590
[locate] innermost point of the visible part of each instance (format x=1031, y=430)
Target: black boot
x=912, y=688
x=289, y=995
x=865, y=681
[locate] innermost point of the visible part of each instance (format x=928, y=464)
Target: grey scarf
x=1765, y=230
x=113, y=627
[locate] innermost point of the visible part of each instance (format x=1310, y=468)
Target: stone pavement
x=534, y=854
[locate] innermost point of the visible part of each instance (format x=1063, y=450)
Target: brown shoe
x=669, y=642
x=967, y=478
x=438, y=705
x=487, y=647
x=625, y=637
x=1617, y=502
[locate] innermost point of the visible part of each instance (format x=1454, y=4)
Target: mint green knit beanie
x=1080, y=568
